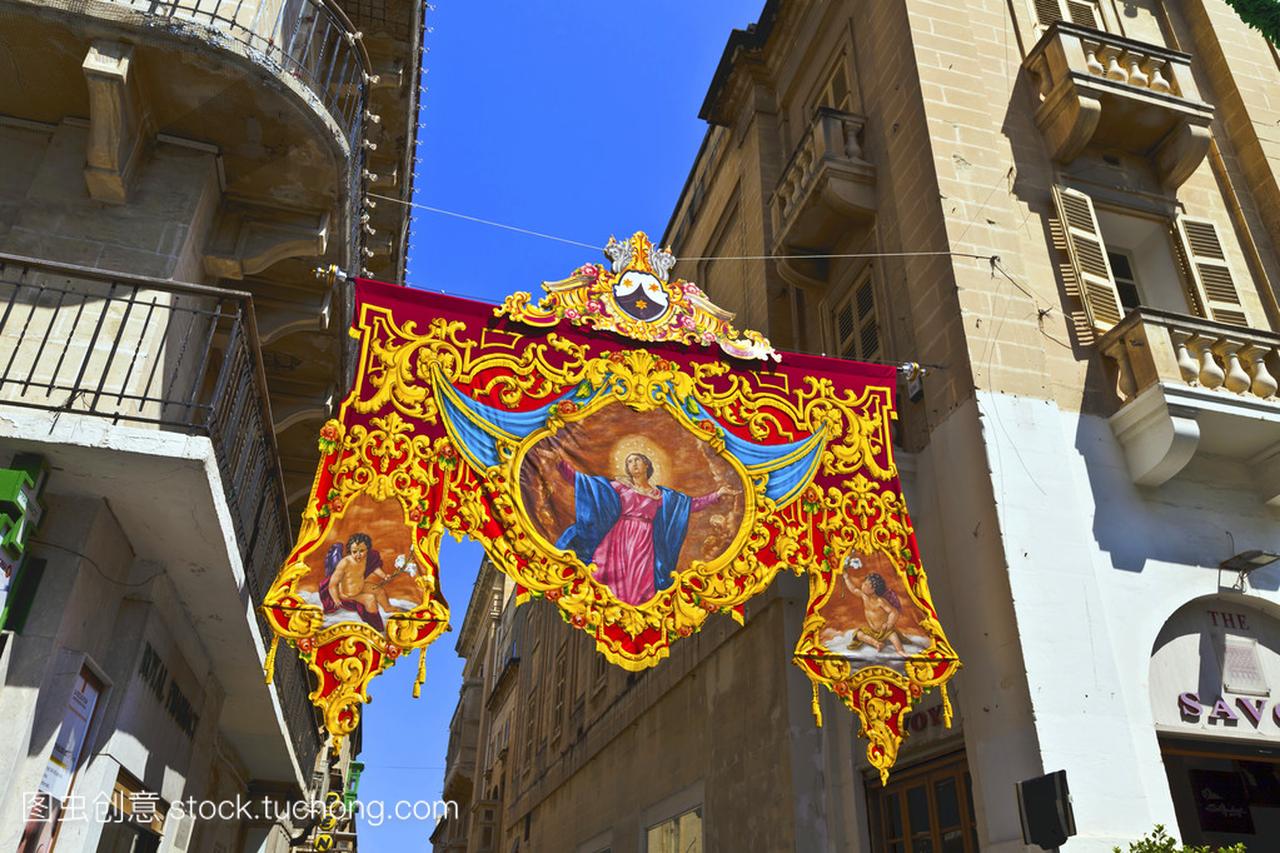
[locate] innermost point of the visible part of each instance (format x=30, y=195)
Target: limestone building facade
x=173, y=174
x=1067, y=211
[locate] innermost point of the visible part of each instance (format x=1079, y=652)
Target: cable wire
x=477, y=219
x=814, y=256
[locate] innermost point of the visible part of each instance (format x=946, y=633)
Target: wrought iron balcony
x=1189, y=385
x=169, y=356
x=824, y=184
x=310, y=41
x=1106, y=90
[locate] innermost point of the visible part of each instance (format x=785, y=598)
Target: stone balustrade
x=832, y=135
x=1151, y=346
x=1101, y=89
x=825, y=185
x=1141, y=68
x=1195, y=387
x=1120, y=60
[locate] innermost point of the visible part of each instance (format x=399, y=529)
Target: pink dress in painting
x=624, y=558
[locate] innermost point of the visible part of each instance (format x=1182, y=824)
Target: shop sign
x=927, y=722
x=1215, y=671
x=1230, y=711
x=155, y=675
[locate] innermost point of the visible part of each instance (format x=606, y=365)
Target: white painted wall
x=129, y=563
x=1055, y=600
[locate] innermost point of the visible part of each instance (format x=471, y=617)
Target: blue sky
x=572, y=118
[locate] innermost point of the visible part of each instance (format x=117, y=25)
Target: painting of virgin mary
x=630, y=528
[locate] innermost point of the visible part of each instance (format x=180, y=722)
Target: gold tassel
x=817, y=708
x=946, y=706
x=270, y=665
x=422, y=673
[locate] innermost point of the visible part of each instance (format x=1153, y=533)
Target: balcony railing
x=1151, y=346
x=825, y=180
x=1102, y=89
x=169, y=356
x=312, y=41
x=1189, y=385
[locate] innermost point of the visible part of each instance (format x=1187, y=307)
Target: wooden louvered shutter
x=857, y=327
x=1088, y=258
x=1048, y=11
x=1205, y=264
x=1082, y=12
x=864, y=299
x=846, y=327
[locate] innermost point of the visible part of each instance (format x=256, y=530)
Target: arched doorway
x=1215, y=697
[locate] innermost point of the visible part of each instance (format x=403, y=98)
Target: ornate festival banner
x=620, y=450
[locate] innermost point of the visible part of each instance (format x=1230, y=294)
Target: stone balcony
x=824, y=185
x=311, y=43
x=137, y=376
x=1191, y=386
x=1115, y=93
x=274, y=94
x=461, y=753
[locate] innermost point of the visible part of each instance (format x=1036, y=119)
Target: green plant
x=1160, y=841
x=1262, y=15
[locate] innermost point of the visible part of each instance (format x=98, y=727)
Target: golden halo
x=636, y=443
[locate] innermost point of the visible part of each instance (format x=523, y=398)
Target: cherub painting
x=356, y=581
x=365, y=571
x=881, y=608
x=867, y=619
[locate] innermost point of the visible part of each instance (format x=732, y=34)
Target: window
x=1205, y=263
x=680, y=834
x=601, y=674
x=835, y=92
x=1241, y=668
x=1122, y=259
x=1143, y=263
x=531, y=713
x=856, y=328
x=1083, y=12
x=799, y=317
x=723, y=274
x=560, y=679
x=928, y=808
x=135, y=821
x=1122, y=266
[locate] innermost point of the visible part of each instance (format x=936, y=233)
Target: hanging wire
x=489, y=222
x=994, y=260
x=813, y=256
x=820, y=256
